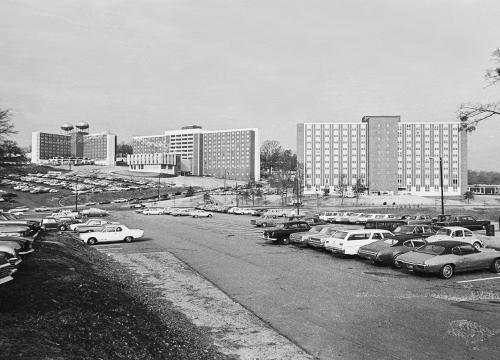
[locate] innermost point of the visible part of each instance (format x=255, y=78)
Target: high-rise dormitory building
x=232, y=154
x=384, y=154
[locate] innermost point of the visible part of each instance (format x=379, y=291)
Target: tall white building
x=231, y=154
x=383, y=154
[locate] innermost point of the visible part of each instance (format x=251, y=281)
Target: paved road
x=334, y=308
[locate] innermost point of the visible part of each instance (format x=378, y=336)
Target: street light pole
x=441, y=181
x=159, y=174
x=76, y=194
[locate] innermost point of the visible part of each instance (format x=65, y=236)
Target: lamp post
x=76, y=194
x=440, y=180
x=159, y=185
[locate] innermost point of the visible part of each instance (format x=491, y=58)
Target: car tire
x=128, y=239
x=446, y=271
x=477, y=245
x=62, y=227
x=285, y=241
x=495, y=266
x=92, y=241
x=264, y=224
x=195, y=216
x=209, y=215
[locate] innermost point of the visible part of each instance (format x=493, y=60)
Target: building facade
x=232, y=154
x=100, y=148
x=383, y=155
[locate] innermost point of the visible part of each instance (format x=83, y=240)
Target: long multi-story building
x=231, y=154
x=383, y=155
x=100, y=148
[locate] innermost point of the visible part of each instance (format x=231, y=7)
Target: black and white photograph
x=250, y=179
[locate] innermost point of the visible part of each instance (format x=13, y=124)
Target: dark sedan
x=383, y=252
x=281, y=233
x=24, y=243
x=419, y=231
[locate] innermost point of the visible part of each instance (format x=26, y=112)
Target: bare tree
x=270, y=155
x=6, y=126
x=470, y=114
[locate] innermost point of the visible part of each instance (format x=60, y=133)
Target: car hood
x=435, y=238
x=415, y=257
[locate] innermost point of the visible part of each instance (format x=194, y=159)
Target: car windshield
x=431, y=249
x=446, y=232
x=330, y=231
x=390, y=241
x=339, y=235
x=403, y=229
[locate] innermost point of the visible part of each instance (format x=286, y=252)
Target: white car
x=20, y=209
x=42, y=209
x=153, y=211
x=120, y=201
x=456, y=233
x=91, y=225
x=246, y=211
x=348, y=242
x=201, y=213
x=110, y=233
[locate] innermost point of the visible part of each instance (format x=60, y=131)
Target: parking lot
x=330, y=306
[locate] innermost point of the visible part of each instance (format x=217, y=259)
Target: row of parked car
x=424, y=248
x=16, y=243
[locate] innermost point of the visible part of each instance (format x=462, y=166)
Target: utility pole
x=76, y=194
x=441, y=178
x=159, y=174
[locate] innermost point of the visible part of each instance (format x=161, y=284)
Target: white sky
x=142, y=67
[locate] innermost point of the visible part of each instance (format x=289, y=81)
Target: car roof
x=361, y=231
x=449, y=243
x=454, y=228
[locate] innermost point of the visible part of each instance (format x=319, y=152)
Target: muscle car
x=448, y=257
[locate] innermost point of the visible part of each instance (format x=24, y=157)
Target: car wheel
x=495, y=266
x=209, y=215
x=264, y=224
x=446, y=271
x=477, y=245
x=62, y=227
x=377, y=263
x=195, y=216
x=285, y=241
x=128, y=239
x=92, y=241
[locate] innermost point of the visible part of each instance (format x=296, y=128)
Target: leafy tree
x=9, y=149
x=468, y=195
x=207, y=198
x=483, y=177
x=470, y=114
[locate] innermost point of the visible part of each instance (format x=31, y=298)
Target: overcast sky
x=142, y=67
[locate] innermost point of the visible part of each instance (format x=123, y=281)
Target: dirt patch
x=72, y=302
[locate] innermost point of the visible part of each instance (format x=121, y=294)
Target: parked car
x=90, y=203
x=121, y=200
x=313, y=221
x=110, y=233
x=91, y=225
x=42, y=209
x=137, y=206
x=247, y=211
x=5, y=269
x=405, y=232
x=417, y=219
x=281, y=233
x=272, y=220
x=153, y=211
x=60, y=223
x=466, y=221
x=445, y=258
x=94, y=212
x=348, y=242
x=24, y=243
x=180, y=212
x=15, y=230
x=201, y=213
x=456, y=233
x=318, y=240
x=330, y=216
x=12, y=254
x=301, y=238
x=104, y=202
x=384, y=252
x=386, y=224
